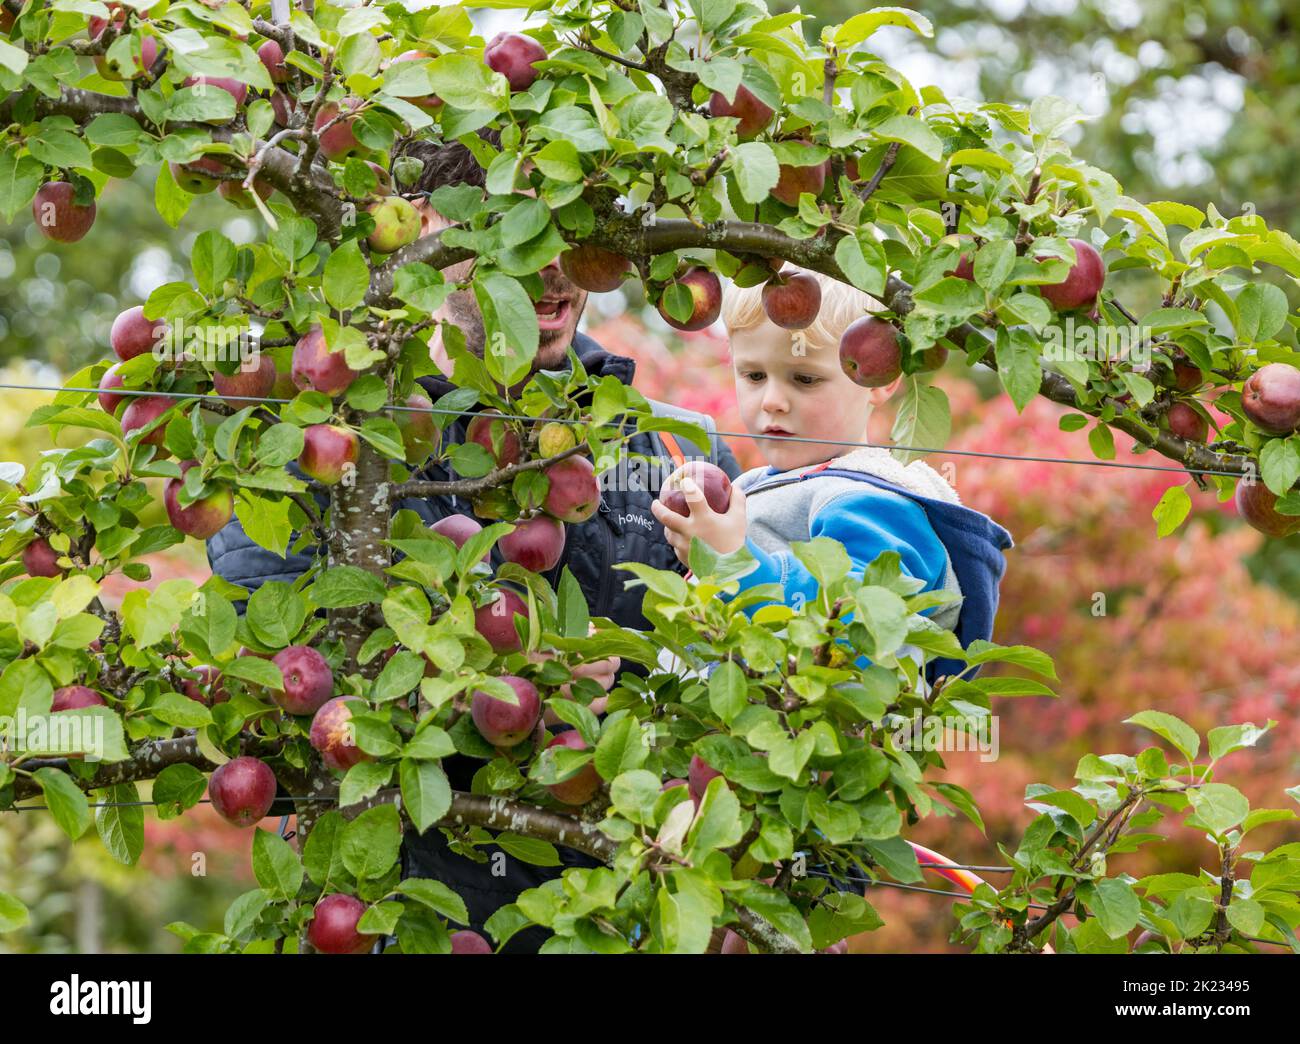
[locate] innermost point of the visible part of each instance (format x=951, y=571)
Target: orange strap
x=674, y=451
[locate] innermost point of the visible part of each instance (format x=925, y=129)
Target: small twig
x=886, y=162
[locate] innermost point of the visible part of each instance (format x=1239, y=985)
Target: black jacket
x=622, y=530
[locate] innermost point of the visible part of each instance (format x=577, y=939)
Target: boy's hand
x=724, y=533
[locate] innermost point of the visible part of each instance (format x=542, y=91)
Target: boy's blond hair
x=742, y=309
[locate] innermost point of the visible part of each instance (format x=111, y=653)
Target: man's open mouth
x=552, y=312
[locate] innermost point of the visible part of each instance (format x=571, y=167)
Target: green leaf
x=212, y=259
x=323, y=854
x=728, y=691
x=910, y=130
x=1171, y=511
x=364, y=780
x=1019, y=367
x=559, y=160
x=993, y=263
x=177, y=789
x=276, y=865
x=862, y=25
x=756, y=171
x=67, y=804
x=426, y=794
x=276, y=613
x=622, y=747
x=437, y=897
x=341, y=587
x=923, y=419
x=1181, y=735
x=120, y=823
x=13, y=914
x=1219, y=806
x=346, y=277
x=510, y=326
x=1227, y=738
x=1116, y=907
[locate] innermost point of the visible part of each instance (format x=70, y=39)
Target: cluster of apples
x=573, y=494
x=333, y=929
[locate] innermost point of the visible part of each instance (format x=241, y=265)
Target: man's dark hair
x=449, y=163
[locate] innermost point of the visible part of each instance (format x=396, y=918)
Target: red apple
x=502, y=724
x=338, y=142
x=111, y=69
x=142, y=411
x=242, y=791
x=537, y=544
x=328, y=452
x=282, y=107
x=333, y=735
x=733, y=943
x=469, y=942
x=108, y=402
x=1183, y=421
x=315, y=367
x=206, y=688
x=754, y=115
x=333, y=928
x=792, y=301
x=1082, y=284
x=870, y=353
x=458, y=529
x=698, y=776
x=1256, y=503
x=272, y=56
x=251, y=382
x=200, y=176
x=308, y=680
x=793, y=181
x=593, y=268
x=513, y=55
x=495, y=621
x=133, y=334
x=233, y=192
x=1270, y=398
x=420, y=435
x=40, y=559
x=580, y=788
x=233, y=87
x=74, y=697
x=57, y=214
x=706, y=298
x=205, y=517
x=574, y=494
x=496, y=436
x=709, y=477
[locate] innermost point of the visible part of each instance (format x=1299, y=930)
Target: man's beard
x=552, y=346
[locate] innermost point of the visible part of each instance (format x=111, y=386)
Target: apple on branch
x=495, y=621
x=58, y=215
x=203, y=518
x=242, y=790
x=513, y=55
x=706, y=300
x=870, y=352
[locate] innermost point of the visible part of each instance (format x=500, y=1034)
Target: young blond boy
x=790, y=386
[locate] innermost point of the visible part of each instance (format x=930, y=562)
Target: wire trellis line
x=940, y=450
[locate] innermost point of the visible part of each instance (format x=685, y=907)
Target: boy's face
x=785, y=387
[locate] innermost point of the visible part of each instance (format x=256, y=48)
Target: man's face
x=558, y=311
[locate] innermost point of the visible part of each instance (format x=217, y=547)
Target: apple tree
x=678, y=144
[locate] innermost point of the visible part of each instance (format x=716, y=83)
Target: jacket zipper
x=606, y=578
